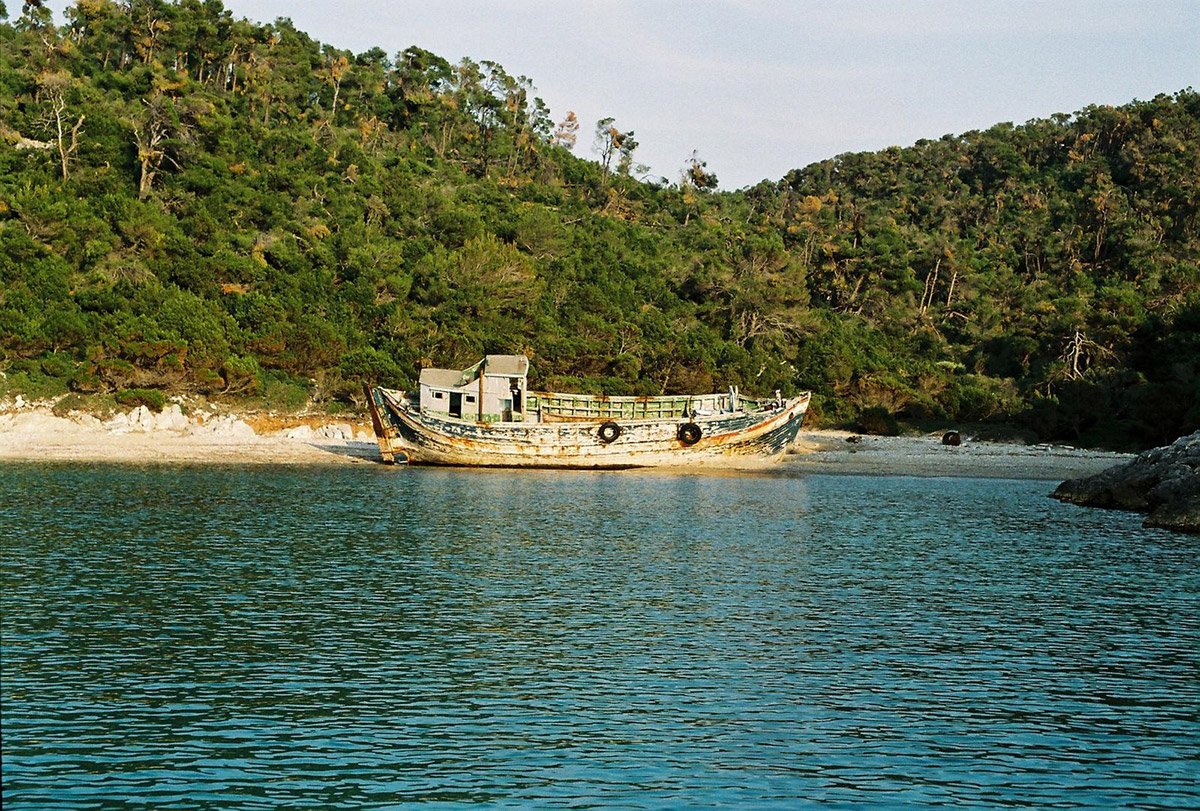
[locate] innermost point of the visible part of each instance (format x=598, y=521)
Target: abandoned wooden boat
x=485, y=416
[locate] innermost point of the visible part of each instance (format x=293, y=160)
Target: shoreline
x=832, y=452
x=208, y=437
x=35, y=434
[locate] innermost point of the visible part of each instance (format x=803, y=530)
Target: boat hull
x=742, y=439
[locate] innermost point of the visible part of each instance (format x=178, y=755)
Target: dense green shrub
x=877, y=420
x=150, y=398
x=32, y=384
x=281, y=393
x=69, y=403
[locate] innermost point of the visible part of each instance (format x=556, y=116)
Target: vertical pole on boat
x=482, y=369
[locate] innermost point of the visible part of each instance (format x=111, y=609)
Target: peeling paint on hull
x=740, y=439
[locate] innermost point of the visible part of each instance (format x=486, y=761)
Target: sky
x=756, y=88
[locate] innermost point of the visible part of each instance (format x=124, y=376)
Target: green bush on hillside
x=150, y=398
x=877, y=420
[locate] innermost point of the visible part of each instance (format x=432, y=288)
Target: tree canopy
x=192, y=202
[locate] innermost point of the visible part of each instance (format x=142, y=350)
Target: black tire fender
x=608, y=432
x=689, y=433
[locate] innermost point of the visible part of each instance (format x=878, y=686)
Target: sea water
x=364, y=636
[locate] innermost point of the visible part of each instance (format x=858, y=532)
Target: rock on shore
x=1164, y=482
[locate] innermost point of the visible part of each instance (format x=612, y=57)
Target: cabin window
x=470, y=398
x=439, y=395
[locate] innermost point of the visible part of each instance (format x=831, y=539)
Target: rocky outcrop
x=143, y=420
x=339, y=431
x=1164, y=482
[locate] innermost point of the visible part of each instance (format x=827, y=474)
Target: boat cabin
x=493, y=390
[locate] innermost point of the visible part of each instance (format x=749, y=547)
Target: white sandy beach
x=139, y=437
x=34, y=433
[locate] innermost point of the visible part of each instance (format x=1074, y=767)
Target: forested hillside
x=191, y=202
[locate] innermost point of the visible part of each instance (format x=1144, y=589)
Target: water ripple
x=373, y=637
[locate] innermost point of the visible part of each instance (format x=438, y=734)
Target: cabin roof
x=507, y=365
x=441, y=378
x=499, y=365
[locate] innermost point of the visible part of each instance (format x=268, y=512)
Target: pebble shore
x=34, y=433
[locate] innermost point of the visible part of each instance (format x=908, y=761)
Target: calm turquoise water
x=371, y=636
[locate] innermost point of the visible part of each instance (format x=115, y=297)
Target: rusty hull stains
x=740, y=439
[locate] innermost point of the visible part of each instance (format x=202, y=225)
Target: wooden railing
x=554, y=405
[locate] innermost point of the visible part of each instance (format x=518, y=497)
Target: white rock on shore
x=227, y=426
x=337, y=431
x=143, y=420
x=300, y=432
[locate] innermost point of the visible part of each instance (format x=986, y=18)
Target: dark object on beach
x=1164, y=482
x=952, y=438
x=854, y=439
